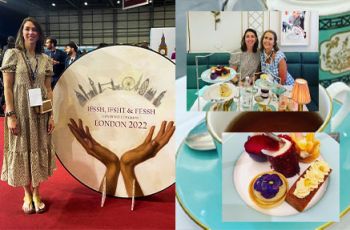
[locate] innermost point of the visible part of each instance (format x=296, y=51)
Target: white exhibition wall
x=203, y=37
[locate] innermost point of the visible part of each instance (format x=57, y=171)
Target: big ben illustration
x=163, y=48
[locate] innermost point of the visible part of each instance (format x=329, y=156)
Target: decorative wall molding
x=335, y=53
x=335, y=22
x=345, y=79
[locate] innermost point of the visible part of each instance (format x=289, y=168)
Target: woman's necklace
x=268, y=56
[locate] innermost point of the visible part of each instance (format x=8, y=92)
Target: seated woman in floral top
x=247, y=60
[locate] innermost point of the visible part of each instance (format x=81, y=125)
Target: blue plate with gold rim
x=198, y=187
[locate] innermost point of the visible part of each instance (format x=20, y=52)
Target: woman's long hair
x=39, y=47
x=256, y=44
x=275, y=46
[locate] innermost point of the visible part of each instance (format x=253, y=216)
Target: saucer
x=198, y=187
x=259, y=108
x=264, y=84
x=278, y=90
x=210, y=107
x=213, y=92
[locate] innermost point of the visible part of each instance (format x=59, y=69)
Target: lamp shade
x=301, y=93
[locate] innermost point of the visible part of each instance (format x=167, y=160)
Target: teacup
x=219, y=122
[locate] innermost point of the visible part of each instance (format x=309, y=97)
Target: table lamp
x=301, y=93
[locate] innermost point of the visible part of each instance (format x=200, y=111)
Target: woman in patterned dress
x=247, y=60
x=273, y=61
x=29, y=157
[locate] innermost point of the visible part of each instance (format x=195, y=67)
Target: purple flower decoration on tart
x=268, y=185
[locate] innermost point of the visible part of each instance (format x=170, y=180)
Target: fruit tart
x=268, y=189
x=307, y=146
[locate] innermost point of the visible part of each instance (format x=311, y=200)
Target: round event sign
x=105, y=105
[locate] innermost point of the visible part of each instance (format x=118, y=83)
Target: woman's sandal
x=27, y=206
x=38, y=205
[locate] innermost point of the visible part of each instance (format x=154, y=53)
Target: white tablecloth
x=185, y=121
x=203, y=102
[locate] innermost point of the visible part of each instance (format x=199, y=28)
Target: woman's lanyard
x=35, y=72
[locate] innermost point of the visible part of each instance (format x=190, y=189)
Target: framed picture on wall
x=295, y=28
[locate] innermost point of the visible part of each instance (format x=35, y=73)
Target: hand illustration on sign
x=129, y=160
x=101, y=153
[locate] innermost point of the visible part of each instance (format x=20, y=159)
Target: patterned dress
x=248, y=63
x=272, y=68
x=30, y=156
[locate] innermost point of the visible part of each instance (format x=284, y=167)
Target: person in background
x=72, y=51
x=84, y=52
x=2, y=99
x=247, y=60
x=29, y=156
x=144, y=44
x=58, y=58
x=173, y=55
x=1, y=86
x=10, y=44
x=273, y=61
x=101, y=45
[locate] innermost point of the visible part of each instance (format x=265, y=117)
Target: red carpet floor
x=73, y=206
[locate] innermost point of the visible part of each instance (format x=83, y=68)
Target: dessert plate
x=258, y=107
x=279, y=90
x=206, y=76
x=199, y=192
x=213, y=92
x=264, y=84
x=213, y=107
x=236, y=162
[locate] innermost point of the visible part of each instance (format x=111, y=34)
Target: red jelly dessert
x=285, y=159
x=256, y=143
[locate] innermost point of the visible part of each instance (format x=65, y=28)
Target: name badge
x=35, y=97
